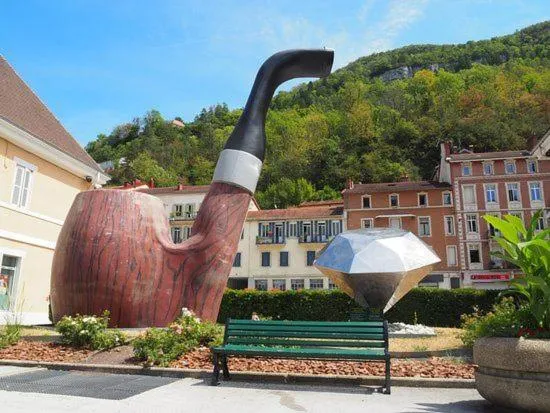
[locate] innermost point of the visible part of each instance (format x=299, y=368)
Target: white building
x=277, y=246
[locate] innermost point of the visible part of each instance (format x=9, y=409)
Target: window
x=279, y=285
x=293, y=229
x=336, y=225
x=488, y=168
x=260, y=285
x=237, y=260
x=266, y=259
x=178, y=210
x=424, y=229
x=366, y=201
x=540, y=224
x=176, y=235
x=509, y=167
x=466, y=169
x=22, y=183
x=491, y=193
x=449, y=225
x=297, y=284
x=474, y=254
x=395, y=222
x=422, y=199
x=535, y=191
x=8, y=271
x=310, y=257
x=469, y=194
x=186, y=232
x=471, y=223
x=242, y=234
x=331, y=286
x=394, y=200
x=367, y=223
x=316, y=284
x=492, y=230
x=455, y=282
x=451, y=255
x=264, y=230
x=513, y=192
x=447, y=198
x=283, y=258
x=532, y=167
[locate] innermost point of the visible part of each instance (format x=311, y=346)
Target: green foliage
x=530, y=251
x=9, y=335
x=160, y=346
x=355, y=124
x=429, y=306
x=89, y=331
x=287, y=192
x=505, y=320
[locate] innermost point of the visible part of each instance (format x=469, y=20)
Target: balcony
x=182, y=216
x=270, y=240
x=312, y=239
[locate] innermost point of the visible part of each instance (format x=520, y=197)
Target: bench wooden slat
x=306, y=343
x=310, y=323
x=378, y=354
x=298, y=334
x=279, y=328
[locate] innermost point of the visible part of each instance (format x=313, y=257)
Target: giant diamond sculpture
x=378, y=266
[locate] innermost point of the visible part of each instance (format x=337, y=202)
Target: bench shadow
x=336, y=388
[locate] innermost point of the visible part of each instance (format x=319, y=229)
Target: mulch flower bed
x=42, y=351
x=432, y=368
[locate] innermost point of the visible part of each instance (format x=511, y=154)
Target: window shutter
x=259, y=229
x=300, y=228
x=329, y=227
x=17, y=185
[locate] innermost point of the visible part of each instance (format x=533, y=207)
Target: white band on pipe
x=238, y=168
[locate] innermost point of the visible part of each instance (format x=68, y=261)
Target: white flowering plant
x=162, y=345
x=89, y=331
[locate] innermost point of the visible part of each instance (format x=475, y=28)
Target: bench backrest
x=367, y=334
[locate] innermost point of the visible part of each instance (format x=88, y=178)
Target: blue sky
x=100, y=63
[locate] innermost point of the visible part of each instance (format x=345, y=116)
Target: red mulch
x=41, y=351
x=432, y=368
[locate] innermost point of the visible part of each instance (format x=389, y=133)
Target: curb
x=327, y=380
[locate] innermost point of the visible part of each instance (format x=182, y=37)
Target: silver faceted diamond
x=377, y=266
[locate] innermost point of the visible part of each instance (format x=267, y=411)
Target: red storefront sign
x=490, y=277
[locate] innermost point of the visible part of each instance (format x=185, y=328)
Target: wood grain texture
x=115, y=253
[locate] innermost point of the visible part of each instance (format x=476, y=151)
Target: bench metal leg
x=216, y=373
x=225, y=367
x=387, y=386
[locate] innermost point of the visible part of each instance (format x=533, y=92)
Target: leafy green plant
x=162, y=345
x=9, y=335
x=530, y=252
x=89, y=331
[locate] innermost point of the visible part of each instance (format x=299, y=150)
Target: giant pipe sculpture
x=114, y=251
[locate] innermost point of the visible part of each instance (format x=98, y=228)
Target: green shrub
x=9, y=335
x=162, y=345
x=89, y=331
x=429, y=306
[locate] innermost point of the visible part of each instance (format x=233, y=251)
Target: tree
x=145, y=168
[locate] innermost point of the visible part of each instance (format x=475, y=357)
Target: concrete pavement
x=194, y=395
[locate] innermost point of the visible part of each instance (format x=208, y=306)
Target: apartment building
x=494, y=183
x=42, y=168
x=425, y=208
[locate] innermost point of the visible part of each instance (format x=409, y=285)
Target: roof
x=297, y=213
x=178, y=189
x=478, y=156
x=334, y=202
x=20, y=106
x=397, y=187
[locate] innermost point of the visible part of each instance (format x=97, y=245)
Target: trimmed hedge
x=429, y=306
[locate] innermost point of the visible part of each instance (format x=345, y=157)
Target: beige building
x=42, y=168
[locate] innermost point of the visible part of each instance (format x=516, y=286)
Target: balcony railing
x=270, y=240
x=305, y=239
x=182, y=215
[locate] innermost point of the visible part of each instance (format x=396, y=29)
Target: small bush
x=9, y=335
x=160, y=346
x=89, y=331
x=505, y=320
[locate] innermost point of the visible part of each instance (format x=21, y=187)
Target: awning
x=396, y=216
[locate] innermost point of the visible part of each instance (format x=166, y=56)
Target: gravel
x=410, y=330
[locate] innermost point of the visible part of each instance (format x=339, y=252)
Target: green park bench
x=347, y=340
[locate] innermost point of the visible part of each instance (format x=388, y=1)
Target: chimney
x=151, y=183
x=471, y=148
x=180, y=187
x=531, y=142
x=349, y=183
x=404, y=178
x=445, y=149
x=137, y=182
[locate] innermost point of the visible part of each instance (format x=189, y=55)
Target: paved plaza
x=155, y=394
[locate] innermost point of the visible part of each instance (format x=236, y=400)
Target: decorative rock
x=403, y=330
